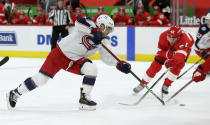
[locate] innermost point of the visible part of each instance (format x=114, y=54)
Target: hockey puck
x=181, y=104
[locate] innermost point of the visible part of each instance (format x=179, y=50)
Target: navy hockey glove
x=97, y=36
x=124, y=67
x=204, y=54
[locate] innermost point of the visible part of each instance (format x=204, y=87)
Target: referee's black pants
x=55, y=34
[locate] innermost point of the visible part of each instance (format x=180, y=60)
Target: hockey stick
x=134, y=75
x=191, y=67
x=140, y=99
x=4, y=60
x=179, y=90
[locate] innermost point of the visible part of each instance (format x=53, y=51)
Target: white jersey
x=77, y=45
x=204, y=42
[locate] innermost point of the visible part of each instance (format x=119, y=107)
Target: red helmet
x=39, y=9
x=140, y=7
x=157, y=8
x=174, y=32
x=121, y=9
x=69, y=7
x=101, y=8
x=77, y=9
x=22, y=12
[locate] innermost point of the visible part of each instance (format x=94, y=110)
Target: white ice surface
x=57, y=102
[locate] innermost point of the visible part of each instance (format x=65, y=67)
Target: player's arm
x=69, y=20
x=159, y=21
x=108, y=59
x=51, y=14
x=204, y=41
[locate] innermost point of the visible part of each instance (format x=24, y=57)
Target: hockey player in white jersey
x=70, y=55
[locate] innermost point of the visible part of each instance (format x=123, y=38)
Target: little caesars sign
x=191, y=20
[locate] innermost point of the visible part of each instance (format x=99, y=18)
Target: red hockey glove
x=199, y=74
x=124, y=67
x=171, y=63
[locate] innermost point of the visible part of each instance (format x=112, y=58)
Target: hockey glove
x=199, y=74
x=171, y=63
x=97, y=36
x=124, y=67
x=204, y=54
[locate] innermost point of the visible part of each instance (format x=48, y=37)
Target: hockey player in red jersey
x=202, y=49
x=158, y=18
x=79, y=13
x=3, y=19
x=13, y=18
x=71, y=55
x=141, y=16
x=174, y=48
x=122, y=18
x=40, y=18
x=24, y=19
x=100, y=11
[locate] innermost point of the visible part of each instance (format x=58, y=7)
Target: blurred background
x=138, y=24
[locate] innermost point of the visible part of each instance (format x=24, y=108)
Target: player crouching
x=70, y=55
x=174, y=48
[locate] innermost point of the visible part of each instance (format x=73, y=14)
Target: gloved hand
x=97, y=36
x=124, y=67
x=204, y=53
x=199, y=74
x=171, y=63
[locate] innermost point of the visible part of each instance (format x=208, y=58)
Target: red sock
x=168, y=82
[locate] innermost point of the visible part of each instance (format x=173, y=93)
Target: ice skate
x=164, y=91
x=12, y=98
x=85, y=102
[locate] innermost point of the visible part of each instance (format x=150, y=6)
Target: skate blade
x=86, y=107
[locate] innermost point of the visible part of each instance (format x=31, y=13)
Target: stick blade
x=4, y=60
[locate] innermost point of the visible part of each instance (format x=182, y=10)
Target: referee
x=61, y=20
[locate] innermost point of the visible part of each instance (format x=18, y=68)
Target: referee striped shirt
x=60, y=17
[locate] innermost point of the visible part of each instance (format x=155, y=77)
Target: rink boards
x=131, y=43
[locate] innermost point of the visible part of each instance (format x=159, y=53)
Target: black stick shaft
x=134, y=75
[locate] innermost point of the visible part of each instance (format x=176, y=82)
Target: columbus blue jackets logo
x=8, y=38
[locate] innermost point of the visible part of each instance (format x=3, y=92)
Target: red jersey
x=26, y=20
x=140, y=19
x=74, y=18
x=181, y=49
x=123, y=20
x=13, y=18
x=159, y=20
x=41, y=20
x=206, y=65
x=97, y=15
x=3, y=16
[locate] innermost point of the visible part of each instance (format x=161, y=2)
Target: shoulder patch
x=203, y=28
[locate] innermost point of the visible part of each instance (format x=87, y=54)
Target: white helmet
x=106, y=20
x=208, y=19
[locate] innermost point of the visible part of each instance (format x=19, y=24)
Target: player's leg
x=89, y=70
x=171, y=77
x=90, y=73
x=28, y=85
x=48, y=70
x=55, y=36
x=154, y=68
